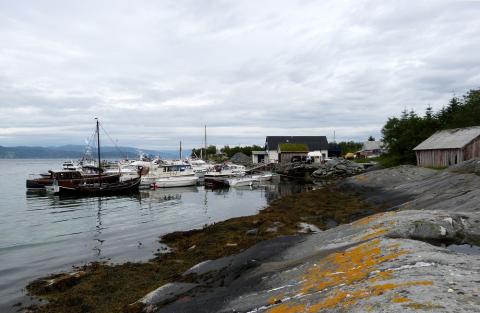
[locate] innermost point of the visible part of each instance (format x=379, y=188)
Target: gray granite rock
x=398, y=261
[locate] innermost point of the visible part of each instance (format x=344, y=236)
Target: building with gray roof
x=448, y=147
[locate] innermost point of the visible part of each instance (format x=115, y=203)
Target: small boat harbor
x=94, y=210
x=129, y=176
x=96, y=177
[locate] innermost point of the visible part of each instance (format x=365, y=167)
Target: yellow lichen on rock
x=347, y=267
x=400, y=299
x=367, y=220
x=285, y=308
x=338, y=273
x=375, y=234
x=276, y=298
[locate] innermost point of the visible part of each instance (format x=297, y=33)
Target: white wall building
x=317, y=146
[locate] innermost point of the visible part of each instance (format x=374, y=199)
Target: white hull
x=248, y=180
x=178, y=181
x=264, y=177
x=238, y=182
x=148, y=180
x=200, y=174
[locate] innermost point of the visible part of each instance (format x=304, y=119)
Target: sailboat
x=100, y=187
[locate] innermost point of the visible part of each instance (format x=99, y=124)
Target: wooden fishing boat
x=70, y=179
x=99, y=187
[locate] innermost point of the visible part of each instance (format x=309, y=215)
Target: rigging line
x=89, y=141
x=114, y=143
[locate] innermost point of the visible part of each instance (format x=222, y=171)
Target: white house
x=371, y=149
x=259, y=157
x=317, y=147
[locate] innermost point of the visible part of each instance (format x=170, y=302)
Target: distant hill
x=77, y=151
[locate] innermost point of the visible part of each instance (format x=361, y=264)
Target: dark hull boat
x=70, y=179
x=216, y=181
x=100, y=189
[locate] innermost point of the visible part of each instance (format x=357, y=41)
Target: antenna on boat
x=98, y=152
x=180, y=150
x=205, y=142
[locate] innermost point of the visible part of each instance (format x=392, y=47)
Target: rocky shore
x=338, y=168
x=397, y=261
x=332, y=169
x=420, y=254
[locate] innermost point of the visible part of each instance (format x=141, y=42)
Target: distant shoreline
x=78, y=151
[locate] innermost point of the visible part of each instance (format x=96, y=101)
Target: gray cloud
x=155, y=72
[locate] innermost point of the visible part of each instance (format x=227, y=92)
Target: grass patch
x=105, y=288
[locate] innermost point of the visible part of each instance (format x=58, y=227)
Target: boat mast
x=180, y=150
x=206, y=142
x=98, y=153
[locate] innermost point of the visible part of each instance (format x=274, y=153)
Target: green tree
x=402, y=134
x=211, y=150
x=230, y=151
x=349, y=146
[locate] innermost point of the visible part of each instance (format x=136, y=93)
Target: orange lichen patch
x=330, y=302
x=347, y=267
x=285, y=308
x=399, y=299
x=377, y=233
x=367, y=220
x=276, y=299
x=381, y=275
x=377, y=226
x=381, y=289
x=346, y=299
x=342, y=270
x=422, y=306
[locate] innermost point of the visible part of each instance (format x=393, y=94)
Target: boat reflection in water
x=285, y=188
x=166, y=194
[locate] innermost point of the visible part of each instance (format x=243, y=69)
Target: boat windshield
x=176, y=168
x=67, y=175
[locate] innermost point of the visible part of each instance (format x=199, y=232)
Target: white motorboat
x=200, y=167
x=127, y=172
x=240, y=181
x=165, y=169
x=263, y=177
x=248, y=180
x=218, y=177
x=176, y=181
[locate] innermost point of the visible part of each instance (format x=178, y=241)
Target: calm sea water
x=42, y=234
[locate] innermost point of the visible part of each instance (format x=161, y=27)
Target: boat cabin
x=66, y=175
x=176, y=168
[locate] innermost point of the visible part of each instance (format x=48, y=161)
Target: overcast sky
x=155, y=72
